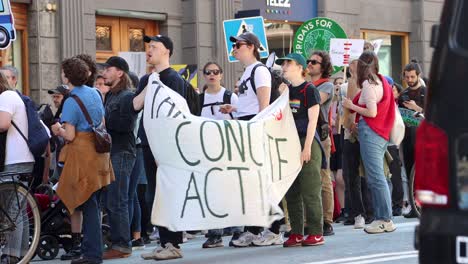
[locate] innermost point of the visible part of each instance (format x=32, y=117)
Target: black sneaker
x=412, y=214
x=396, y=211
x=146, y=240
x=349, y=221
x=328, y=229
x=213, y=242
x=72, y=254
x=138, y=244
x=235, y=236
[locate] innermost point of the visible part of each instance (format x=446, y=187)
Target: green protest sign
x=315, y=34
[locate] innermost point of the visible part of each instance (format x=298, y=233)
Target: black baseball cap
x=118, y=62
x=248, y=37
x=166, y=41
x=61, y=89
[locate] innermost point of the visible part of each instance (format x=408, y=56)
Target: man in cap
x=160, y=49
x=58, y=94
x=120, y=119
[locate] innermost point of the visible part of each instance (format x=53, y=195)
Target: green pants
x=307, y=191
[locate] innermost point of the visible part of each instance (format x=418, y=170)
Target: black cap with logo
x=61, y=89
x=248, y=37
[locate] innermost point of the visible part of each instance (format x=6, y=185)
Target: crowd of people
x=343, y=124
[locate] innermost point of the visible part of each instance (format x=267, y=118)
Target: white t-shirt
x=248, y=101
x=17, y=150
x=212, y=112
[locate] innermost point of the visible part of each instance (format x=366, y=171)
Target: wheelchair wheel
x=48, y=247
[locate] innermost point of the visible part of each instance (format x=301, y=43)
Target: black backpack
x=276, y=80
x=226, y=100
x=46, y=115
x=192, y=98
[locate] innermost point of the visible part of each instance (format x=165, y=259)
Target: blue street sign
x=235, y=27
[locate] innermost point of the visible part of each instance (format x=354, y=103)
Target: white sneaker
x=152, y=254
x=168, y=252
x=359, y=222
x=406, y=209
x=244, y=240
x=268, y=238
x=380, y=226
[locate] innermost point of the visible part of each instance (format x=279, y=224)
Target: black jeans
x=353, y=184
x=408, y=149
x=397, y=183
x=166, y=236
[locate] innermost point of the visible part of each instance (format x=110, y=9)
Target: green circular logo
x=315, y=34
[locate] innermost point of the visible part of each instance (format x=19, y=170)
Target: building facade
x=51, y=30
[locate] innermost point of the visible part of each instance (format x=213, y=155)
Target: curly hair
x=92, y=68
x=327, y=67
x=76, y=71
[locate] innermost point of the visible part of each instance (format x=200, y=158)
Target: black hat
x=166, y=41
x=118, y=62
x=248, y=37
x=61, y=89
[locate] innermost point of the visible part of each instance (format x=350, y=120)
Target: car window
x=2, y=9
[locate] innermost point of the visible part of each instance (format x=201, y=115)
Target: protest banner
x=341, y=50
x=216, y=174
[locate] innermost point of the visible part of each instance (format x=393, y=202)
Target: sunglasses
x=313, y=62
x=215, y=72
x=238, y=45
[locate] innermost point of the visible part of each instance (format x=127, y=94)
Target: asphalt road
x=346, y=246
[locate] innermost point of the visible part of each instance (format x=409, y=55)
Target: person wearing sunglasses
x=305, y=194
x=214, y=95
x=245, y=48
x=320, y=69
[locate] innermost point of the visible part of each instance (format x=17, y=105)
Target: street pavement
x=346, y=246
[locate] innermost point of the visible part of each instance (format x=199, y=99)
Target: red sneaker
x=313, y=240
x=294, y=240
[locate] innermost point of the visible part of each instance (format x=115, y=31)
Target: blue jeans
x=117, y=201
x=92, y=245
x=134, y=210
x=373, y=149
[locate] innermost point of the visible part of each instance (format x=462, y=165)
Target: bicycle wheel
x=20, y=213
x=415, y=205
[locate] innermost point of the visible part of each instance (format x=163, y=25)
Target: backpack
x=323, y=128
x=192, y=98
x=38, y=139
x=46, y=115
x=226, y=100
x=276, y=81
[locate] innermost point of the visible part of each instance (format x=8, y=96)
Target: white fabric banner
x=216, y=174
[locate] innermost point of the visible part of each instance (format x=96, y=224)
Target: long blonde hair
x=4, y=85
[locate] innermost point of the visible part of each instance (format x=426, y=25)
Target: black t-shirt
x=416, y=95
x=171, y=79
x=301, y=98
x=121, y=120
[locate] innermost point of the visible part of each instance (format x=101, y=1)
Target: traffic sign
x=315, y=34
x=235, y=27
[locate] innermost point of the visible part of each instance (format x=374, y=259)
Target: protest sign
x=341, y=50
x=216, y=174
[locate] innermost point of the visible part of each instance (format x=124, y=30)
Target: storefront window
x=280, y=37
x=393, y=53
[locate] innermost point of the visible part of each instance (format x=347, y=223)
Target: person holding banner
x=252, y=100
x=160, y=49
x=304, y=100
x=375, y=108
x=213, y=96
x=320, y=68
